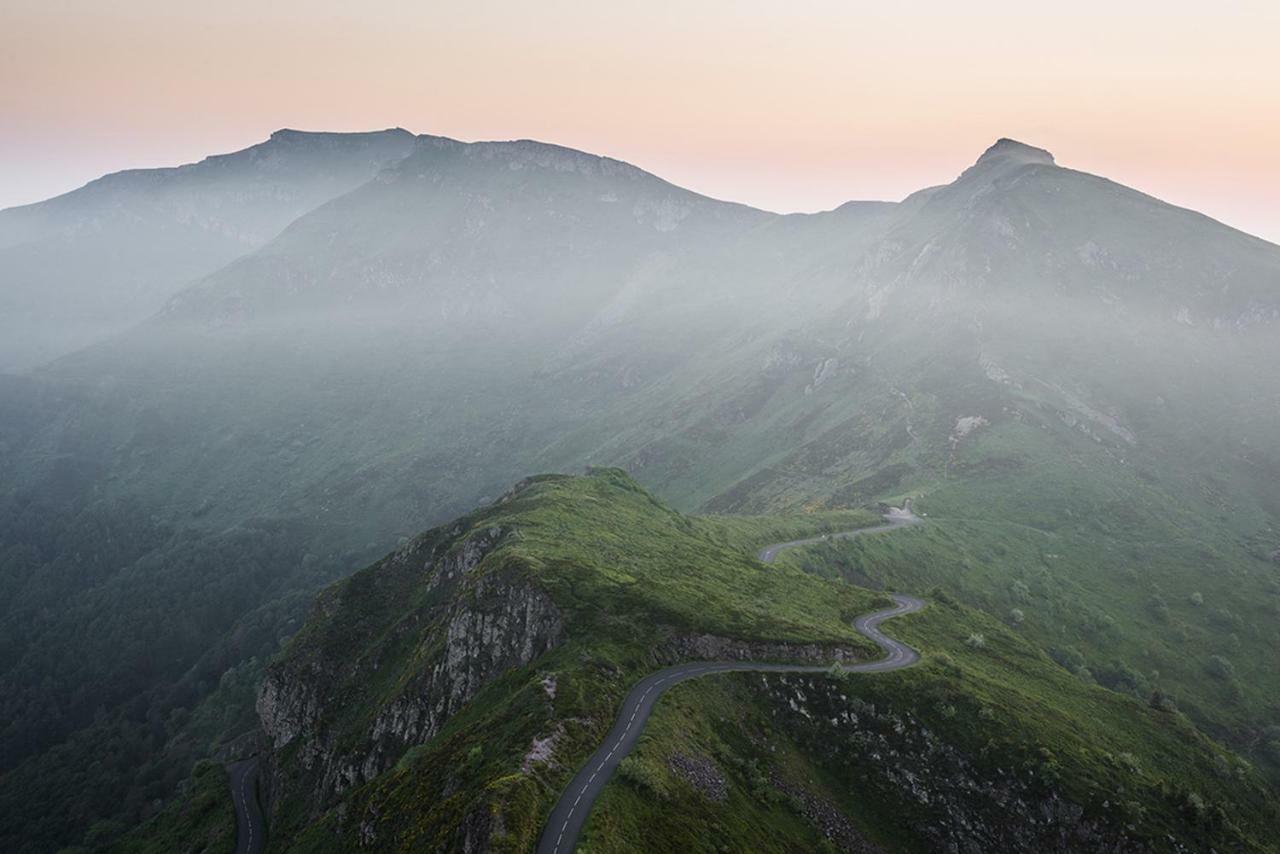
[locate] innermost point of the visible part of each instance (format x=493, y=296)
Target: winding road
x=250, y=833
x=896, y=517
x=565, y=823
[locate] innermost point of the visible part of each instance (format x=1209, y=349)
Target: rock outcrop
x=958, y=803
x=358, y=689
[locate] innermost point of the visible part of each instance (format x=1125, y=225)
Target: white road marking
x=896, y=653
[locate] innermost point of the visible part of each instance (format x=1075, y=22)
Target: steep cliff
x=365, y=685
x=547, y=603
x=441, y=699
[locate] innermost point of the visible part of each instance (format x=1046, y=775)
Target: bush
x=1158, y=607
x=1194, y=807
x=976, y=641
x=1128, y=762
x=1220, y=668
x=1069, y=657
x=1197, y=599
x=640, y=775
x=1016, y=616
x=1227, y=618
x=1161, y=702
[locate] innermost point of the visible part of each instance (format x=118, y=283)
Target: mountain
x=443, y=697
x=1067, y=375
x=85, y=265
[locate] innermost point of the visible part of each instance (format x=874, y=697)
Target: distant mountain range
x=90, y=263
x=232, y=382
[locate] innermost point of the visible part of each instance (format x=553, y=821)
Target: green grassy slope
x=1127, y=575
x=627, y=574
x=1000, y=703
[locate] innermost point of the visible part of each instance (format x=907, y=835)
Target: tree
x=1161, y=702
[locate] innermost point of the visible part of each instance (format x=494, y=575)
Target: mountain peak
x=1008, y=150
x=292, y=134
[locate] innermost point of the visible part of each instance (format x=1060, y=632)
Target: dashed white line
x=897, y=653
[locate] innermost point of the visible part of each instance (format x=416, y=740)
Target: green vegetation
x=114, y=683
x=620, y=563
x=201, y=821
x=1069, y=376
x=1004, y=706
x=1119, y=577
x=628, y=575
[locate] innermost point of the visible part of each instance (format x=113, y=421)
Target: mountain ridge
x=1048, y=362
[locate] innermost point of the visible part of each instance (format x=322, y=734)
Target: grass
x=1003, y=705
x=628, y=574
x=201, y=822
x=1103, y=568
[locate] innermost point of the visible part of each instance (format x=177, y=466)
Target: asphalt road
x=894, y=519
x=251, y=833
x=564, y=825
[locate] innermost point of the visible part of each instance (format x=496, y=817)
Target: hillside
x=1047, y=359
x=470, y=672
x=88, y=264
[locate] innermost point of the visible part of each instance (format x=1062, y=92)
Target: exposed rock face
x=701, y=773
x=958, y=804
x=323, y=702
x=542, y=749
x=832, y=823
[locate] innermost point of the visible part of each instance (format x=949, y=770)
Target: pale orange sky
x=784, y=105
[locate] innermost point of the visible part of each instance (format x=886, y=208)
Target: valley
x=365, y=336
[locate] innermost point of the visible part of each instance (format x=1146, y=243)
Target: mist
x=233, y=383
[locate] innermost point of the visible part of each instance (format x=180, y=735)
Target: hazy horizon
x=786, y=110
x=478, y=376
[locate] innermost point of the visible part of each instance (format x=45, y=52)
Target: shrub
x=1161, y=702
x=941, y=596
x=976, y=641
x=1221, y=766
x=1225, y=617
x=1128, y=762
x=1016, y=616
x=1197, y=599
x=1194, y=807
x=1220, y=668
x=642, y=776
x=1158, y=607
x=947, y=664
x=1069, y=657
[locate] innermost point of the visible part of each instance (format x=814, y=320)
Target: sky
x=790, y=106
